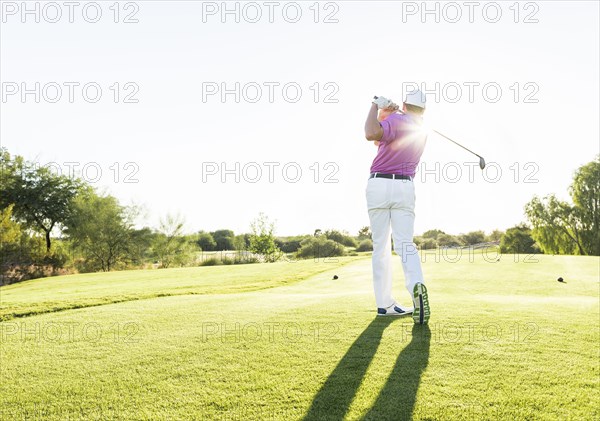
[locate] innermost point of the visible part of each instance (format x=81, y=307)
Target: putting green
x=279, y=341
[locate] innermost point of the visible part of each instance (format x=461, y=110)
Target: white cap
x=416, y=98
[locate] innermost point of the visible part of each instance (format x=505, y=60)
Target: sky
x=219, y=111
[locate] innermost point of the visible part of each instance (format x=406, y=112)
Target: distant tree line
x=439, y=239
x=53, y=224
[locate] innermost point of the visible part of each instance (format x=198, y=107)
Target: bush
x=342, y=238
x=350, y=242
x=446, y=240
x=16, y=273
x=428, y=244
x=518, y=239
x=290, y=244
x=320, y=247
x=227, y=261
x=471, y=238
x=212, y=261
x=365, y=245
x=238, y=259
x=243, y=260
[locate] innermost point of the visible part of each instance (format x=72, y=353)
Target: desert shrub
x=365, y=245
x=291, y=244
x=341, y=237
x=320, y=247
x=428, y=244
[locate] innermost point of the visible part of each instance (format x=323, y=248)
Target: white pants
x=391, y=204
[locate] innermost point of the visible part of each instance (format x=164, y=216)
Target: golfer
x=400, y=140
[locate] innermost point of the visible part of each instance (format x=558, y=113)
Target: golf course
x=286, y=341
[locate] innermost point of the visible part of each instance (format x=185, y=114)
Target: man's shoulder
x=397, y=118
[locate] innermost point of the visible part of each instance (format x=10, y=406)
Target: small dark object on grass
x=335, y=276
x=560, y=280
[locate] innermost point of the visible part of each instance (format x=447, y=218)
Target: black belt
x=391, y=176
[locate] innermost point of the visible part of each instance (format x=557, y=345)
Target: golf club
x=481, y=160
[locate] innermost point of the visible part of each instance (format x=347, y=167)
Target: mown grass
x=85, y=290
x=505, y=341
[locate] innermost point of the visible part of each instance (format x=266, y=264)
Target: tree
x=140, y=245
x=100, y=229
x=447, y=240
x=171, y=246
x=428, y=244
x=10, y=235
x=364, y=233
x=20, y=251
x=10, y=231
x=555, y=225
x=206, y=241
x=341, y=237
x=562, y=228
x=495, y=235
x=473, y=237
x=42, y=200
x=262, y=239
x=585, y=192
x=223, y=239
x=432, y=234
x=241, y=242
x=518, y=240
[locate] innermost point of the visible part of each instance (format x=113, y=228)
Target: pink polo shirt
x=401, y=146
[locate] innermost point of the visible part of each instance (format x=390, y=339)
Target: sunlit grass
x=505, y=341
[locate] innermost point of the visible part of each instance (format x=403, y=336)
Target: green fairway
x=285, y=341
x=76, y=291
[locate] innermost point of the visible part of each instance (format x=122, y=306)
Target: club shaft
x=456, y=143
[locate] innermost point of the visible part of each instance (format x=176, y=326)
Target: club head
x=481, y=162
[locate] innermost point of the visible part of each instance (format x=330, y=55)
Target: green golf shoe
x=421, y=312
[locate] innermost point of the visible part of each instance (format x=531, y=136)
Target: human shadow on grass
x=397, y=398
x=396, y=401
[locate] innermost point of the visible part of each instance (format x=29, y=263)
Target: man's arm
x=373, y=130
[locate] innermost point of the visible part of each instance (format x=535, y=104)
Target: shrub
x=212, y=261
x=446, y=240
x=518, y=240
x=320, y=247
x=227, y=261
x=471, y=238
x=290, y=244
x=428, y=244
x=243, y=260
x=365, y=245
x=341, y=237
x=238, y=259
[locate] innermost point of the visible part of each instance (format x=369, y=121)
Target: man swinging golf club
x=390, y=192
